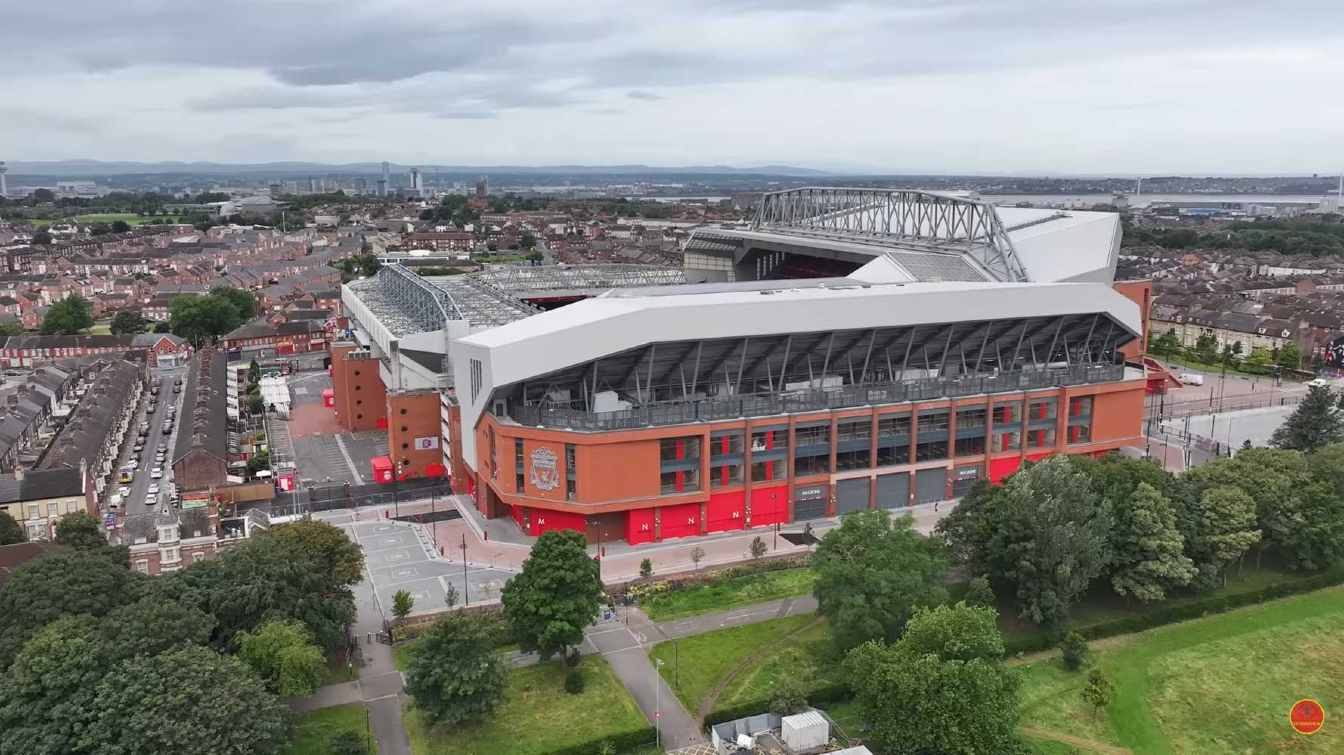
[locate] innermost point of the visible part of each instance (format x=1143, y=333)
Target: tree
x=259, y=461
x=68, y=582
x=697, y=555
x=11, y=328
x=872, y=573
x=284, y=655
x=43, y=196
x=1226, y=530
x=10, y=531
x=456, y=675
x=79, y=530
x=326, y=544
x=1206, y=348
x=979, y=592
x=264, y=579
x=254, y=372
x=68, y=316
x=42, y=238
x=47, y=698
x=1099, y=691
x=199, y=319
x=556, y=595
x=1289, y=357
x=120, y=226
x=1316, y=422
x=930, y=693
x=758, y=547
x=189, y=700
x=1049, y=537
x=959, y=632
x=1149, y=551
x=1165, y=344
x=1073, y=651
x=788, y=695
x=243, y=301
x=646, y=568
x=348, y=743
x=402, y=603
x=126, y=322
x=450, y=595
x=1259, y=361
x=151, y=625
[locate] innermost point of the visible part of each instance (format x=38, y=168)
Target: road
x=134, y=503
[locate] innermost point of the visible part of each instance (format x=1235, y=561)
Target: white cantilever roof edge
x=593, y=328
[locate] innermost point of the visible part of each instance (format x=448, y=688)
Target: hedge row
x=819, y=697
x=1162, y=615
x=694, y=579
x=622, y=742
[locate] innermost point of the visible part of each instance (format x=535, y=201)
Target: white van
x=1191, y=378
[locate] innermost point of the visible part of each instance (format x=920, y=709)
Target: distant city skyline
x=1048, y=87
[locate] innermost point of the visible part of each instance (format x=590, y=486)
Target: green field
x=129, y=218
x=537, y=715
x=313, y=732
x=1218, y=684
x=729, y=593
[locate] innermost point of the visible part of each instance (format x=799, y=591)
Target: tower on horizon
x=387, y=179
x=4, y=186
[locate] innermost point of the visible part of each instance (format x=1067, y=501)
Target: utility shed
x=805, y=731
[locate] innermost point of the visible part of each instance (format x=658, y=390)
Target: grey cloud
x=640, y=94
x=46, y=120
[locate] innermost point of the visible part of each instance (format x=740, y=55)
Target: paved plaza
x=401, y=556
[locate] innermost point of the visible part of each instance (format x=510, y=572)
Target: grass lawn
x=314, y=731
x=402, y=654
x=1218, y=684
x=706, y=659
x=537, y=715
x=730, y=593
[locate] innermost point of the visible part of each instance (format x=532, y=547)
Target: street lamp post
x=657, y=706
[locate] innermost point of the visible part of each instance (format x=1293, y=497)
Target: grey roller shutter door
x=893, y=490
x=851, y=495
x=930, y=485
x=809, y=510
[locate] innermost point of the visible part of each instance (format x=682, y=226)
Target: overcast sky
x=1051, y=86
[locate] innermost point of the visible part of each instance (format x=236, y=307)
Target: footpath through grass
x=314, y=731
x=537, y=715
x=1219, y=684
x=694, y=666
x=724, y=594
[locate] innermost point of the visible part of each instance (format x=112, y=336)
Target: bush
x=1171, y=614
x=1073, y=650
x=979, y=593
x=818, y=697
x=646, y=568
x=574, y=682
x=573, y=657
x=348, y=743
x=789, y=696
x=623, y=742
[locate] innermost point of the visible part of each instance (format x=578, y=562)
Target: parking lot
x=322, y=451
x=398, y=556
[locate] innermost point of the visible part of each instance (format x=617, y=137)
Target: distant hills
x=115, y=168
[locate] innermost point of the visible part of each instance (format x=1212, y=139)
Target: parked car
x=156, y=473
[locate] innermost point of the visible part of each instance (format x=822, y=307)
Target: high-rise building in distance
x=386, y=183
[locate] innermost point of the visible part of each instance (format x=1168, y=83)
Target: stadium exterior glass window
x=1007, y=426
x=769, y=454
x=518, y=463
x=1042, y=416
x=1080, y=419
x=812, y=449
x=725, y=460
x=853, y=444
x=893, y=439
x=680, y=467
x=725, y=475
x=931, y=435
x=571, y=472
x=971, y=431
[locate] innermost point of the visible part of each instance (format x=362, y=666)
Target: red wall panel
x=726, y=511
x=639, y=526
x=769, y=505
x=680, y=521
x=545, y=520
x=1002, y=469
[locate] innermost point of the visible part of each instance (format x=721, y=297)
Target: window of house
x=142, y=566
x=971, y=431
x=931, y=435
x=170, y=555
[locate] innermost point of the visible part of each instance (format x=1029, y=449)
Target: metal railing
x=793, y=402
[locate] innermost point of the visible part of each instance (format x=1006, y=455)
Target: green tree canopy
x=188, y=700
x=456, y=675
x=79, y=530
x=555, y=596
x=1149, y=550
x=127, y=322
x=151, y=625
x=202, y=319
x=68, y=316
x=10, y=530
x=872, y=573
x=923, y=695
x=68, y=582
x=1226, y=531
x=47, y=698
x=1050, y=537
x=243, y=301
x=326, y=544
x=284, y=655
x=1316, y=422
x=1289, y=357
